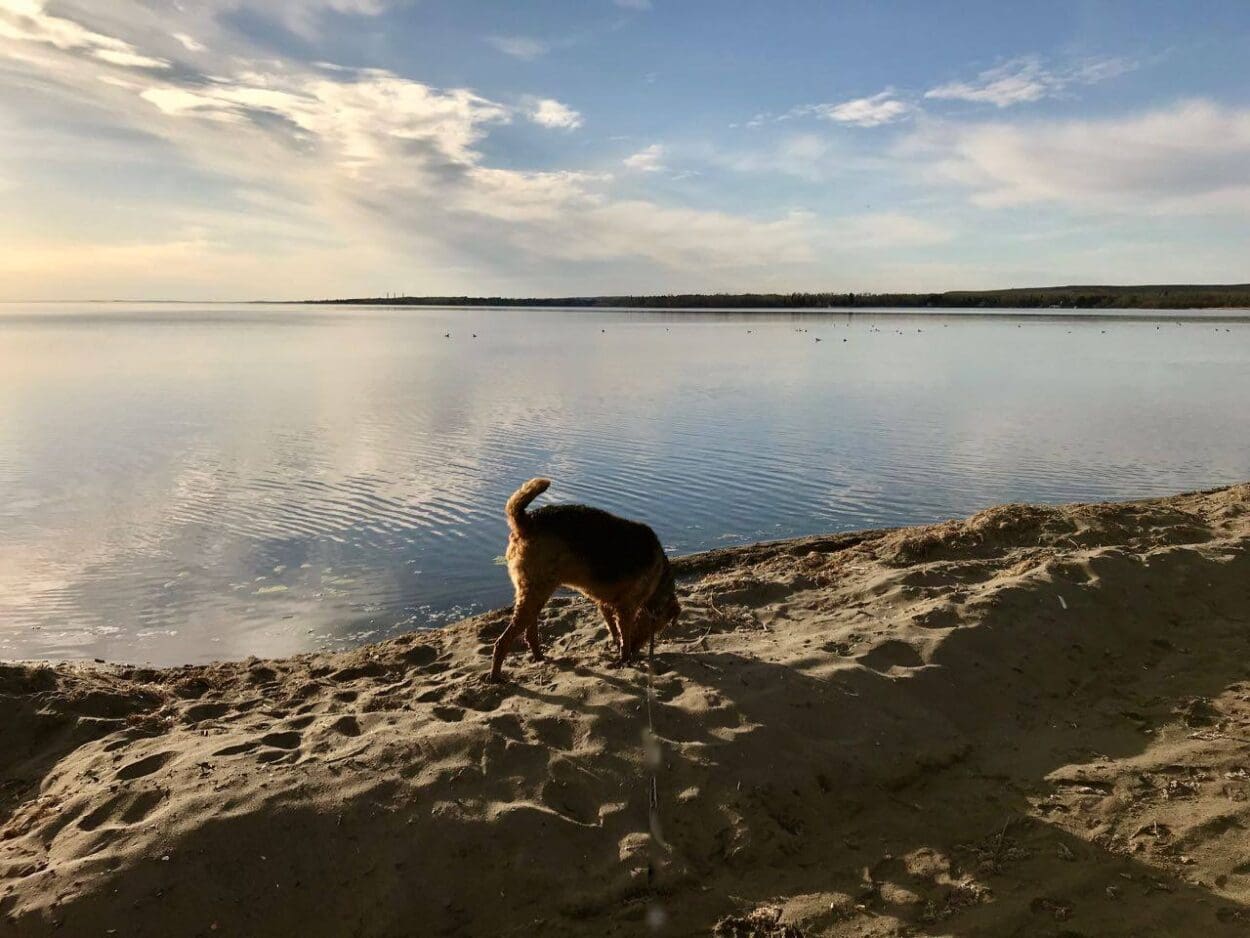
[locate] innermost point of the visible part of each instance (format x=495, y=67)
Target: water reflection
x=185, y=483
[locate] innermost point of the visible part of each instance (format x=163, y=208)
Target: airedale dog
x=617, y=563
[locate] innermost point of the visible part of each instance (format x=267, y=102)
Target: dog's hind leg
x=524, y=621
x=537, y=599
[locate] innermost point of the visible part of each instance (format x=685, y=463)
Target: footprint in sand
x=940, y=617
x=145, y=766
x=568, y=793
x=205, y=711
x=551, y=732
x=482, y=699
x=238, y=748
x=347, y=726
x=506, y=724
x=284, y=739
x=433, y=695
x=356, y=672
x=891, y=654
x=281, y=746
x=420, y=655
x=126, y=809
x=262, y=674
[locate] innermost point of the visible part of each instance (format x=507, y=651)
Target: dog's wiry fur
x=618, y=564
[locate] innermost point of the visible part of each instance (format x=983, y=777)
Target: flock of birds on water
x=447, y=335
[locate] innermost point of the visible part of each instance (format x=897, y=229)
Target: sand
x=1032, y=722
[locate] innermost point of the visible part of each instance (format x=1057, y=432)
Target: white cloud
x=1013, y=83
x=128, y=59
x=1098, y=70
x=387, y=173
x=189, y=43
x=1027, y=79
x=358, y=122
x=634, y=4
x=886, y=107
x=384, y=168
x=883, y=108
x=304, y=17
x=1190, y=158
x=29, y=21
x=547, y=112
x=520, y=47
x=357, y=7
x=647, y=160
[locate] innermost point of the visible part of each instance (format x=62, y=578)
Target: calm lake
x=181, y=483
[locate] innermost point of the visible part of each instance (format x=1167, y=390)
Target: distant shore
x=1146, y=297
x=1031, y=721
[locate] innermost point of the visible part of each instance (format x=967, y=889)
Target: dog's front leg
x=614, y=630
x=628, y=623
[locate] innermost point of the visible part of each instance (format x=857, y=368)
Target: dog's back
x=610, y=548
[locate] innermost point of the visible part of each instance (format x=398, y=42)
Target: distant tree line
x=1194, y=296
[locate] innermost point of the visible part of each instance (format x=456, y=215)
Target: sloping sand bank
x=1033, y=722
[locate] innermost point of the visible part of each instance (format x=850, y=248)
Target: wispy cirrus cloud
x=882, y=108
x=28, y=21
x=1026, y=79
x=885, y=107
x=305, y=18
x=520, y=47
x=1190, y=158
x=1020, y=80
x=190, y=43
x=649, y=159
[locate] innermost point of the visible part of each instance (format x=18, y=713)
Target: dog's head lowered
x=660, y=610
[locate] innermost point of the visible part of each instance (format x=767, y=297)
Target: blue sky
x=297, y=148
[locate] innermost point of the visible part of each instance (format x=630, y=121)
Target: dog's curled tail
x=517, y=518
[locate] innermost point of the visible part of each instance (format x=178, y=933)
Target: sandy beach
x=1035, y=721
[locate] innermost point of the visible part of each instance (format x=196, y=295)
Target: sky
x=289, y=149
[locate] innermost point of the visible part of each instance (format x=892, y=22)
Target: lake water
x=190, y=482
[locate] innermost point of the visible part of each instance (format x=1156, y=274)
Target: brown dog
x=619, y=564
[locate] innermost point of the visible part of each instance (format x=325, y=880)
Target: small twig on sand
x=998, y=848
x=906, y=804
x=701, y=638
x=722, y=614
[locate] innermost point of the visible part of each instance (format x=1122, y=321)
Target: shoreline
x=1124, y=314
x=1026, y=721
x=1067, y=296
